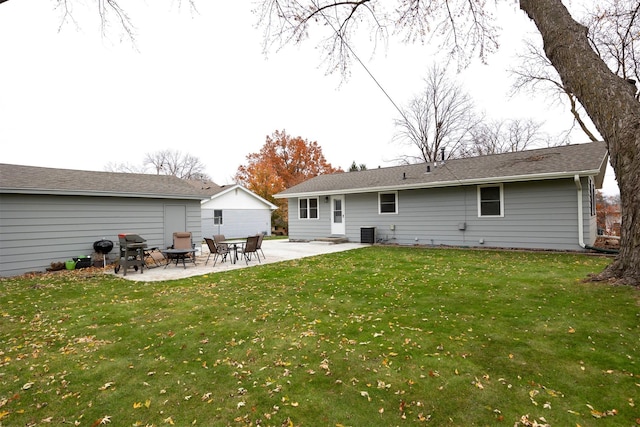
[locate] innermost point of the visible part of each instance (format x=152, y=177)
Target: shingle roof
x=546, y=163
x=208, y=188
x=37, y=180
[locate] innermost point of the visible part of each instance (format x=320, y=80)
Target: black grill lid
x=103, y=246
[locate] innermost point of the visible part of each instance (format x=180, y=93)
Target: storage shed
x=49, y=215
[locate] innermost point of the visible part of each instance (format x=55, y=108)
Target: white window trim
x=308, y=218
x=379, y=203
x=215, y=217
x=501, y=187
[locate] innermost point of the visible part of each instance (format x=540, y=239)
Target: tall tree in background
x=608, y=213
x=535, y=74
x=283, y=161
x=467, y=27
x=165, y=162
x=441, y=117
x=505, y=136
x=355, y=167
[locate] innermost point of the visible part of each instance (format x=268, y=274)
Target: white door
x=337, y=216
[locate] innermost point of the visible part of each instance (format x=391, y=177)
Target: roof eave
x=270, y=205
x=453, y=183
x=49, y=192
x=601, y=172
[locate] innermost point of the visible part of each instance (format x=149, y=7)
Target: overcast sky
x=200, y=83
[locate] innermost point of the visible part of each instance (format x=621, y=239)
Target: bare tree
x=504, y=136
x=441, y=117
x=609, y=100
x=176, y=163
x=613, y=32
x=444, y=22
x=124, y=167
x=165, y=162
x=536, y=74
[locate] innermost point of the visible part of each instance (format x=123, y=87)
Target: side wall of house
x=537, y=215
x=36, y=230
x=309, y=229
x=237, y=222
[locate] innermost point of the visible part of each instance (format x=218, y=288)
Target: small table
x=179, y=254
x=234, y=243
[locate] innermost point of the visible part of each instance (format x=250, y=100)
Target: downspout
x=576, y=178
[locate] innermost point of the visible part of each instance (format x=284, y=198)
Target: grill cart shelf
x=132, y=248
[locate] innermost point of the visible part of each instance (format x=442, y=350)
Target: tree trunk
x=609, y=100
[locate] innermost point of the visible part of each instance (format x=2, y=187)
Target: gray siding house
x=234, y=211
x=537, y=199
x=49, y=215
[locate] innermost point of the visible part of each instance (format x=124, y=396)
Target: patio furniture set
x=135, y=254
x=223, y=249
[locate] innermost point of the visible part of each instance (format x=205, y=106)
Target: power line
x=345, y=43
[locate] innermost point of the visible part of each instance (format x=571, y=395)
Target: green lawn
x=381, y=336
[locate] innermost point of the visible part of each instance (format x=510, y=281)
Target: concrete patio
x=274, y=251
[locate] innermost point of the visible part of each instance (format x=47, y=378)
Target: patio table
x=179, y=254
x=235, y=243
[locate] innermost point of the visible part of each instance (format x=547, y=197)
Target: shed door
x=337, y=215
x=175, y=219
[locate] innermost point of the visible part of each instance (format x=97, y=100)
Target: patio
x=274, y=250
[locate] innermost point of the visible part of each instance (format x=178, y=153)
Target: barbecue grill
x=103, y=247
x=132, y=248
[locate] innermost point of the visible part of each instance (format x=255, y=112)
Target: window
x=388, y=203
x=217, y=217
x=490, y=200
x=308, y=208
x=592, y=196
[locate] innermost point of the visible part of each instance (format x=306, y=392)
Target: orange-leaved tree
x=282, y=162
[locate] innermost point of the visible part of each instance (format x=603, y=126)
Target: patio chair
x=182, y=240
x=154, y=257
x=260, y=238
x=251, y=247
x=217, y=238
x=218, y=251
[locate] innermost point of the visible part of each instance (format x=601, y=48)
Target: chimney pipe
x=442, y=154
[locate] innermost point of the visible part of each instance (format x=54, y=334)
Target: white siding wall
x=242, y=215
x=37, y=230
x=542, y=215
x=237, y=223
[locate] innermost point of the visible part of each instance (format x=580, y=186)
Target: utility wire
x=355, y=55
x=377, y=83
